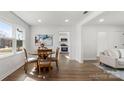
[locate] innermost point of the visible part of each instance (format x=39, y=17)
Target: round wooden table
x=35, y=53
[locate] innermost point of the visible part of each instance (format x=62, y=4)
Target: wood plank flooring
x=68, y=71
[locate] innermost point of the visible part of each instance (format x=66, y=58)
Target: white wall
x=89, y=43
x=89, y=39
x=78, y=45
x=12, y=63
x=55, y=31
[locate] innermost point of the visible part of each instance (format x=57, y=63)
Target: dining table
x=36, y=53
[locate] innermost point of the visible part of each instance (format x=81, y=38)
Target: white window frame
x=5, y=22
x=22, y=29
x=14, y=27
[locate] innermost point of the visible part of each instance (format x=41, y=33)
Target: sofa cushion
x=106, y=53
x=114, y=53
x=121, y=61
x=122, y=52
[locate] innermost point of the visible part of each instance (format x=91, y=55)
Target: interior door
x=101, y=42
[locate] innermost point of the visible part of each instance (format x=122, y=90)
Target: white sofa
x=113, y=58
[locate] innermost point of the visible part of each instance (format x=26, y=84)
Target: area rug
x=117, y=73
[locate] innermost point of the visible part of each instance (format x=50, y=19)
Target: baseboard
x=76, y=60
x=90, y=58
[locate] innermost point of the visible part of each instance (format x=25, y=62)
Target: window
x=19, y=39
x=6, y=39
x=11, y=40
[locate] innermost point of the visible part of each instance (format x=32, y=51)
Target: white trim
x=82, y=61
x=90, y=58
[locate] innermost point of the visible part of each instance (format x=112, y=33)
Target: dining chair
x=28, y=60
x=44, y=59
x=56, y=58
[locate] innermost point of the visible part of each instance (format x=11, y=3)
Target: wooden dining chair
x=44, y=61
x=28, y=60
x=56, y=58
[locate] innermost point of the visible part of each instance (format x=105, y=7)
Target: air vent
x=85, y=12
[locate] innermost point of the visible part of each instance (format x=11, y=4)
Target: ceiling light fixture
x=39, y=20
x=101, y=20
x=66, y=20
x=85, y=12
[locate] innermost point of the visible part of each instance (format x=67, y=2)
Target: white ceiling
x=51, y=17
x=110, y=18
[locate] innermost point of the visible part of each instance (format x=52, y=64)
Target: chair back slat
x=26, y=55
x=43, y=53
x=57, y=53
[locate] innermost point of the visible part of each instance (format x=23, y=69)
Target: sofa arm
x=108, y=60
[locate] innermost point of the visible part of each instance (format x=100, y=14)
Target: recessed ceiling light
x=66, y=20
x=39, y=20
x=101, y=20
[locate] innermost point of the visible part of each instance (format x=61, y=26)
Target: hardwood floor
x=68, y=71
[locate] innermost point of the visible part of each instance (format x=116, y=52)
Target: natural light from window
x=5, y=39
x=19, y=40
